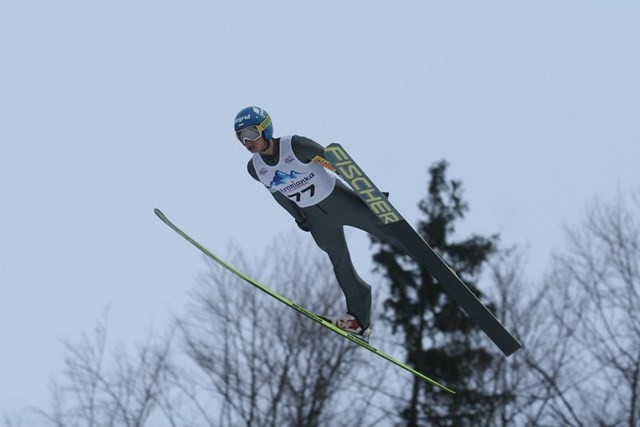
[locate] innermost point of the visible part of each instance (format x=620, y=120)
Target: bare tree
x=261, y=363
x=581, y=362
x=541, y=376
x=248, y=360
x=602, y=268
x=95, y=392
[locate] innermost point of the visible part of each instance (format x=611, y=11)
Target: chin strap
x=267, y=147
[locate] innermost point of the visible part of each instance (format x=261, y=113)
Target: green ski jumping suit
x=322, y=205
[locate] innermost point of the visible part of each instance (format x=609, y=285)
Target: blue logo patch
x=281, y=178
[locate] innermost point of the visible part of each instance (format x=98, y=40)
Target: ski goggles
x=252, y=133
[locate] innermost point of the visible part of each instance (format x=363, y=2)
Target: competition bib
x=304, y=183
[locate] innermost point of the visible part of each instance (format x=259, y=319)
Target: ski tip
x=159, y=213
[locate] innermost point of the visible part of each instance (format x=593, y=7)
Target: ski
x=298, y=308
x=338, y=160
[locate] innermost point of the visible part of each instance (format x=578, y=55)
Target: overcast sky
x=109, y=109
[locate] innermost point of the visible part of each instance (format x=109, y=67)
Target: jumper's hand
x=304, y=226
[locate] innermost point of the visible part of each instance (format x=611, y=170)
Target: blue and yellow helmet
x=254, y=116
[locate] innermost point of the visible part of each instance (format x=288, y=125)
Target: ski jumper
x=312, y=194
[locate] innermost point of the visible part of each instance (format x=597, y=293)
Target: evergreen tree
x=439, y=337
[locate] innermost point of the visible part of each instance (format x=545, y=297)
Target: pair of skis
x=337, y=159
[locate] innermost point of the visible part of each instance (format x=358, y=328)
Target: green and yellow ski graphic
x=337, y=159
x=296, y=307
